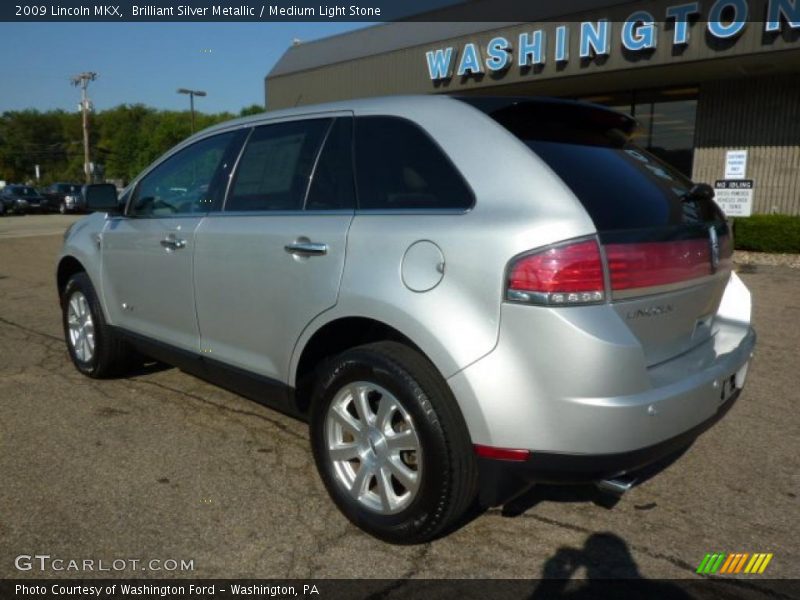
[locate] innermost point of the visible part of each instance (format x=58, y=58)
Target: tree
x=124, y=139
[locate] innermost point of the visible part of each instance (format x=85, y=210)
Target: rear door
x=273, y=258
x=147, y=259
x=667, y=246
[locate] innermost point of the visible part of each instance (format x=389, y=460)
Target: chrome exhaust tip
x=617, y=486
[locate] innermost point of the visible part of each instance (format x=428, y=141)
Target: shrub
x=767, y=233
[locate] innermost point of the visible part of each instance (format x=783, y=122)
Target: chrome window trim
x=316, y=161
x=413, y=211
x=234, y=168
x=279, y=213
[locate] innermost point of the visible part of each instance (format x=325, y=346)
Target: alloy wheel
x=81, y=327
x=373, y=447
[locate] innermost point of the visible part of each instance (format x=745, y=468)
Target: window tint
x=274, y=171
x=398, y=166
x=624, y=188
x=332, y=185
x=184, y=183
x=621, y=185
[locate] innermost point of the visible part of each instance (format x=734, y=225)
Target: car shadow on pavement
x=607, y=569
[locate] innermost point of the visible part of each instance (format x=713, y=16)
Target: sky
x=146, y=62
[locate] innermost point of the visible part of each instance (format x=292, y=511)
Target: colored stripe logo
x=737, y=562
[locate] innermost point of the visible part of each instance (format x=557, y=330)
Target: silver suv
x=461, y=296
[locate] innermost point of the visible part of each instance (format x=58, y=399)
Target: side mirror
x=101, y=197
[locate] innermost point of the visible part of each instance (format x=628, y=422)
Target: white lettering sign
x=734, y=196
x=735, y=164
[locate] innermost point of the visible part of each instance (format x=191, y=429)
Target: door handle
x=172, y=243
x=307, y=248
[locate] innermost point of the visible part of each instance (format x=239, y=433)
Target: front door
x=147, y=257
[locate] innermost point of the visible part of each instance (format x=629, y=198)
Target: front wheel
x=390, y=443
x=93, y=346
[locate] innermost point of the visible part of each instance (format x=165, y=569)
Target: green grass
x=767, y=233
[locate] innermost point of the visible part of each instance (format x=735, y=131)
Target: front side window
x=276, y=166
x=398, y=166
x=185, y=182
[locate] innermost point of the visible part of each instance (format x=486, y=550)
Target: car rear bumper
x=500, y=479
x=575, y=390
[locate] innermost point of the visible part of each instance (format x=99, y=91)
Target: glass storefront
x=666, y=121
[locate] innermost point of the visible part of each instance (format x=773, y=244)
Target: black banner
x=335, y=589
x=495, y=11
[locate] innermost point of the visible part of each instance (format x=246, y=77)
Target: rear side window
x=398, y=166
x=620, y=185
x=275, y=168
x=332, y=186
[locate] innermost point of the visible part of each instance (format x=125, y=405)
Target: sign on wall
x=734, y=196
x=640, y=33
x=735, y=164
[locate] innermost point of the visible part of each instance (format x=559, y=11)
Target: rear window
x=620, y=185
x=398, y=166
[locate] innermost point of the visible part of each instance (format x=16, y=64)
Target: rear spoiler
x=553, y=113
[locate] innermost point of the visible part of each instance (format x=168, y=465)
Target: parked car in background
x=65, y=197
x=21, y=199
x=462, y=297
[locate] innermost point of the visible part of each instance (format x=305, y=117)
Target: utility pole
x=82, y=80
x=192, y=94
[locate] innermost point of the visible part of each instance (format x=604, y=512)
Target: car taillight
x=650, y=264
x=564, y=275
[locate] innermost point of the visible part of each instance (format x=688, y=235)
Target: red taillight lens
x=649, y=264
x=564, y=275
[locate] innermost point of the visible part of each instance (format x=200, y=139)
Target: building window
x=666, y=122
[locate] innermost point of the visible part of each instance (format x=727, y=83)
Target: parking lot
x=161, y=465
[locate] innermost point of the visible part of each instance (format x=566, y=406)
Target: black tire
x=111, y=356
x=448, y=484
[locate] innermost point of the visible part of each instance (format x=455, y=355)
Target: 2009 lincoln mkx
x=443, y=287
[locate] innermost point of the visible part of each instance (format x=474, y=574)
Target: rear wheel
x=93, y=346
x=390, y=443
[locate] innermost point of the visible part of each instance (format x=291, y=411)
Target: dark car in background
x=64, y=197
x=21, y=199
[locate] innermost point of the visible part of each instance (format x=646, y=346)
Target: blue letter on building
x=439, y=63
x=727, y=30
x=594, y=37
x=562, y=43
x=642, y=37
x=498, y=54
x=789, y=9
x=531, y=48
x=470, y=60
x=681, y=15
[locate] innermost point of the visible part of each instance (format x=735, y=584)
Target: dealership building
x=715, y=85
